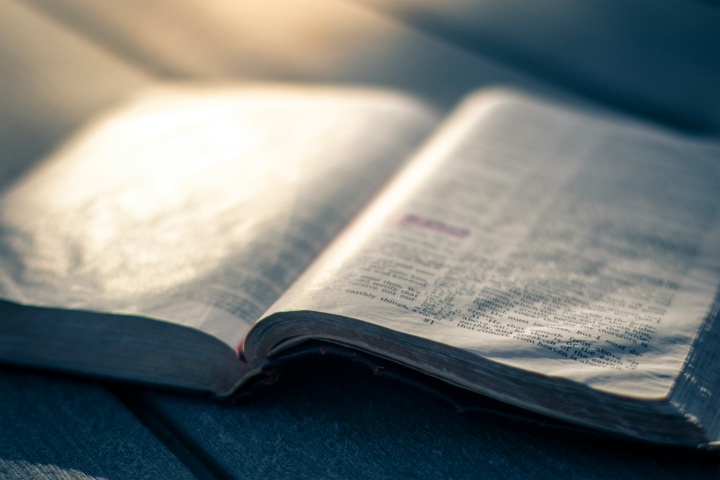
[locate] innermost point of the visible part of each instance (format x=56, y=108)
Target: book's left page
x=198, y=206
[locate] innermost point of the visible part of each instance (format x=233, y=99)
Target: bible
x=555, y=258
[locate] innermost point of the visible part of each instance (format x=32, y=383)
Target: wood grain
x=334, y=423
x=58, y=428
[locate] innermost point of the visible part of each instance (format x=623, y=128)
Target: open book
x=561, y=261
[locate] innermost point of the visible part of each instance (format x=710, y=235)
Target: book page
x=199, y=206
x=541, y=239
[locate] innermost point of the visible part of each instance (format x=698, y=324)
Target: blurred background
x=61, y=62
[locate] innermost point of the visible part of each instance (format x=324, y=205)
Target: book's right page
x=540, y=238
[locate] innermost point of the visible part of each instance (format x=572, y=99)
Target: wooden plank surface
x=59, y=428
x=331, y=423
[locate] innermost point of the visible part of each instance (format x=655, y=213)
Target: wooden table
x=324, y=424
